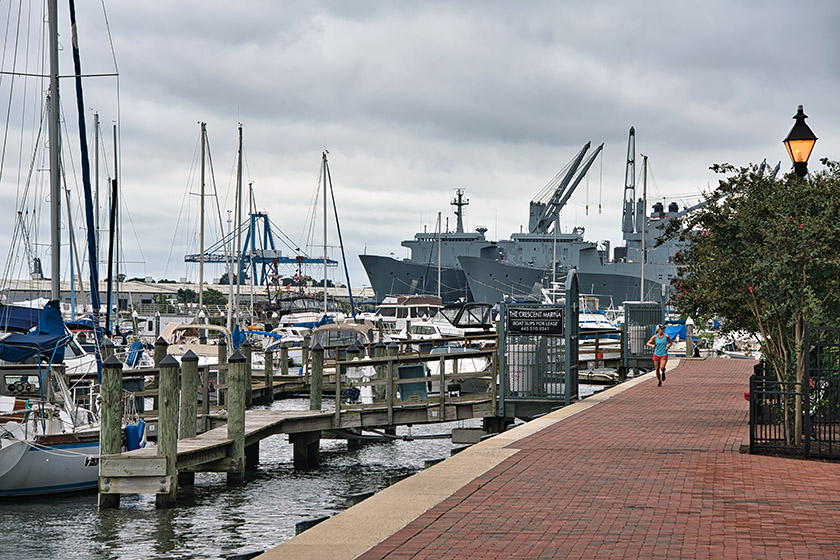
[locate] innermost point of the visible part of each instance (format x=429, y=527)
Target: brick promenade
x=653, y=472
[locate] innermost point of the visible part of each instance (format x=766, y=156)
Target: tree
x=186, y=295
x=764, y=255
x=214, y=297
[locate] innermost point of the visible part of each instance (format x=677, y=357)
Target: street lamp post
x=799, y=143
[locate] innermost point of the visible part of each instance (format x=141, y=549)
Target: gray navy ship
x=474, y=268
x=419, y=274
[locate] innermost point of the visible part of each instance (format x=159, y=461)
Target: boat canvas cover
x=47, y=339
x=16, y=318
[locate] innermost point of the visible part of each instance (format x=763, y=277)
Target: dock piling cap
x=161, y=341
x=107, y=343
x=190, y=356
x=317, y=347
x=393, y=345
x=237, y=357
x=112, y=362
x=169, y=362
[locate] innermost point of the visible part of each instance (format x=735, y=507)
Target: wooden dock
x=234, y=446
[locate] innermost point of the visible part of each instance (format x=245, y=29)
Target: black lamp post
x=799, y=143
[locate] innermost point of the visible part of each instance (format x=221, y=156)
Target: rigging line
x=110, y=39
x=307, y=236
x=11, y=87
x=184, y=200
x=216, y=197
x=340, y=242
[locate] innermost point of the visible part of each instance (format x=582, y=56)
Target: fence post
x=167, y=442
x=393, y=350
x=110, y=437
x=753, y=414
x=236, y=416
x=316, y=380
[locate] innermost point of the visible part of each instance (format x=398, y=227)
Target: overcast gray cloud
x=414, y=99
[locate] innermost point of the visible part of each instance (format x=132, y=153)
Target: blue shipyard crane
x=259, y=254
x=561, y=187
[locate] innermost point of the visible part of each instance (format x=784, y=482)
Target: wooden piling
x=159, y=354
x=107, y=349
x=379, y=391
x=284, y=359
x=110, y=431
x=316, y=386
x=268, y=398
x=689, y=339
x=305, y=356
x=167, y=442
x=247, y=350
x=393, y=350
x=306, y=446
x=236, y=415
x=221, y=378
x=189, y=406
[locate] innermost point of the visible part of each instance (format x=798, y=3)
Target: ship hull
x=389, y=277
x=613, y=283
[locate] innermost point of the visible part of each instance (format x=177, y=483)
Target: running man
x=660, y=342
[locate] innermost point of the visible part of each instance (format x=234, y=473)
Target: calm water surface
x=213, y=519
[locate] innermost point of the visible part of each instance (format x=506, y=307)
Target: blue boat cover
x=14, y=318
x=135, y=351
x=237, y=337
x=48, y=339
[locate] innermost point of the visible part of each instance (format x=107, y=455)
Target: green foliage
x=764, y=255
x=186, y=295
x=214, y=297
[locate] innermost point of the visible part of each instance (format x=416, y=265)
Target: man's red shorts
x=660, y=360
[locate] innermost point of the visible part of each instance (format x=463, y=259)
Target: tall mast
x=96, y=181
x=628, y=215
x=201, y=224
x=55, y=152
x=116, y=224
x=238, y=230
x=643, y=220
x=324, y=173
x=235, y=238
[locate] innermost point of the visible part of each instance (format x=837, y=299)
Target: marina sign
x=535, y=320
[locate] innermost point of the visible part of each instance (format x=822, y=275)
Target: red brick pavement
x=653, y=472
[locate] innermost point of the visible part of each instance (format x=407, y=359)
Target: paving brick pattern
x=653, y=472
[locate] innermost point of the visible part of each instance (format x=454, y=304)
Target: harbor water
x=214, y=519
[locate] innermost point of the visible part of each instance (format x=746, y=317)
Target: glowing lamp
x=799, y=143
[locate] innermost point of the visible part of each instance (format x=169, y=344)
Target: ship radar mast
x=628, y=216
x=459, y=202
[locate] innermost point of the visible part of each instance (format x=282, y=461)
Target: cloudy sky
x=413, y=100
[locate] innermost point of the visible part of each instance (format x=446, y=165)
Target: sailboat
x=48, y=443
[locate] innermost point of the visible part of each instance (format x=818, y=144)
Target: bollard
x=689, y=339
x=316, y=381
x=107, y=349
x=110, y=436
x=268, y=398
x=221, y=378
x=247, y=350
x=236, y=416
x=379, y=351
x=167, y=442
x=284, y=359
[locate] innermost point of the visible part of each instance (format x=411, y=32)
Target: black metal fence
x=773, y=402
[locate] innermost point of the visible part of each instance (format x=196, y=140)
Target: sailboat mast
x=643, y=219
x=238, y=229
x=324, y=173
x=96, y=181
x=201, y=224
x=235, y=238
x=55, y=152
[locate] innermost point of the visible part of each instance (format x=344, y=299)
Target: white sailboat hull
x=27, y=469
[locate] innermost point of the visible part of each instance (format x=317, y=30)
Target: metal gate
x=773, y=402
x=538, y=367
x=640, y=320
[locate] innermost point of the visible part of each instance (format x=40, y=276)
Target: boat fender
x=133, y=435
